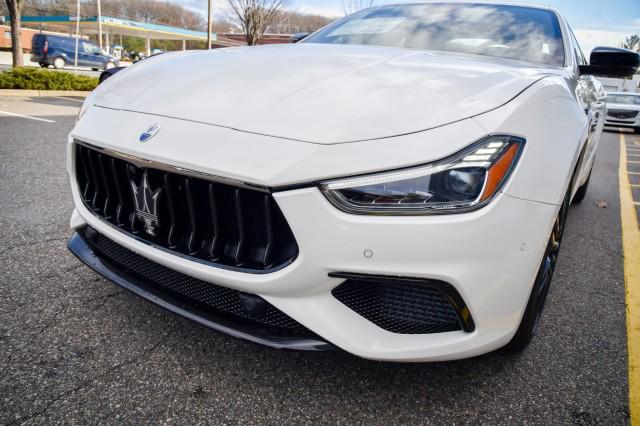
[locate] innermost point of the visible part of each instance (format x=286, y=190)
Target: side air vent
x=405, y=305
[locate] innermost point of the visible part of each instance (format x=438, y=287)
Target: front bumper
x=82, y=247
x=615, y=122
x=489, y=256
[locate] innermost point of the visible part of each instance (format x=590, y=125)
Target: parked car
x=108, y=73
x=60, y=51
x=112, y=71
x=623, y=110
x=395, y=185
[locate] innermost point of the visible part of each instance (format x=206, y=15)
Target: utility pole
x=100, y=27
x=210, y=24
x=75, y=62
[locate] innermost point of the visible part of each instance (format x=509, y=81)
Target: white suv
x=623, y=110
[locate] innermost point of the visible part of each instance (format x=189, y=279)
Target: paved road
x=76, y=349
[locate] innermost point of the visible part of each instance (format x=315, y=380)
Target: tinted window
x=513, y=32
x=577, y=51
x=623, y=99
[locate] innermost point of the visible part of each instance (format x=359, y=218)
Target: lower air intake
x=219, y=301
x=405, y=306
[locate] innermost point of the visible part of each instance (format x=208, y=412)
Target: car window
x=514, y=32
x=89, y=48
x=577, y=51
x=623, y=99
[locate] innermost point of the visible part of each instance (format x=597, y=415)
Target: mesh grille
x=402, y=308
x=219, y=223
x=622, y=114
x=218, y=300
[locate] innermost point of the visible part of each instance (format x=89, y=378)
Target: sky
x=595, y=22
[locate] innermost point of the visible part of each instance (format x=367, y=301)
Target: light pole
x=209, y=24
x=75, y=61
x=100, y=27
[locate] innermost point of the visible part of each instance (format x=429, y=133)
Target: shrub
x=40, y=79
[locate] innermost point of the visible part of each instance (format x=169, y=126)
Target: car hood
x=316, y=93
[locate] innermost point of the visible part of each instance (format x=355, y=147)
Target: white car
x=623, y=110
x=396, y=185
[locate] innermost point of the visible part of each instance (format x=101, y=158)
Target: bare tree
x=255, y=16
x=632, y=43
x=288, y=22
x=352, y=6
x=15, y=8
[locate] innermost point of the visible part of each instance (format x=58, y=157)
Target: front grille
x=621, y=114
x=226, y=225
x=219, y=301
x=405, y=306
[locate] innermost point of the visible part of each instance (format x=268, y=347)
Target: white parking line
x=71, y=99
x=26, y=116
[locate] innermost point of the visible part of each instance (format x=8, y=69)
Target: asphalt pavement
x=75, y=348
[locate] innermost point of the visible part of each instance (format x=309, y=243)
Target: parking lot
x=77, y=349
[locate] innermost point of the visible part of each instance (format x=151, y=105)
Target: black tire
x=43, y=65
x=636, y=130
x=582, y=191
x=535, y=305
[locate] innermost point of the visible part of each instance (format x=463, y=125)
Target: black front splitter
x=82, y=250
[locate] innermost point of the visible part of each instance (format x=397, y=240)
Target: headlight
x=88, y=103
x=83, y=110
x=465, y=181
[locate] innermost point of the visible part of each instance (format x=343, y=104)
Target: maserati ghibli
x=395, y=185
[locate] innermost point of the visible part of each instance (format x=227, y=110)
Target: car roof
x=485, y=2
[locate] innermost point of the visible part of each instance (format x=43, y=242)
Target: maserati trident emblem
x=151, y=132
x=146, y=200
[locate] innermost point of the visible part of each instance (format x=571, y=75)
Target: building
x=26, y=35
x=621, y=84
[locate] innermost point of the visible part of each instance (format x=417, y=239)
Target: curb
x=36, y=93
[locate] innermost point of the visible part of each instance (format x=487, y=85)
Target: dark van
x=60, y=51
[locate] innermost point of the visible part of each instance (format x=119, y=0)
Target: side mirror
x=299, y=37
x=611, y=62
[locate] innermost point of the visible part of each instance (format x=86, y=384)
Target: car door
x=87, y=56
x=591, y=95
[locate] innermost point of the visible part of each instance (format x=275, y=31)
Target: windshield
x=514, y=32
x=623, y=99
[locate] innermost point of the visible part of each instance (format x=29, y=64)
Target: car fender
x=555, y=127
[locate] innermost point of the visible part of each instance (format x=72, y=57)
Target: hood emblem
x=151, y=132
x=146, y=200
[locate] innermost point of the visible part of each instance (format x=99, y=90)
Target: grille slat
x=241, y=235
x=214, y=245
x=171, y=208
x=87, y=185
x=192, y=241
x=107, y=187
x=118, y=187
x=215, y=222
x=94, y=177
x=268, y=222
